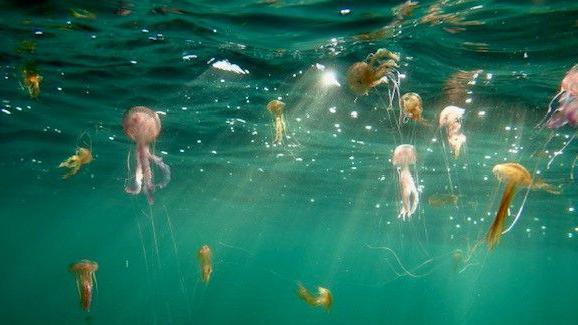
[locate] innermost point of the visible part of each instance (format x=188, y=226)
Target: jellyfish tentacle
x=409, y=194
x=147, y=176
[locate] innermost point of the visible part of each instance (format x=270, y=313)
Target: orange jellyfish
x=451, y=119
x=84, y=272
x=412, y=107
x=364, y=75
x=206, y=261
x=142, y=125
x=323, y=299
x=83, y=156
x=403, y=156
x=32, y=81
x=514, y=176
x=276, y=108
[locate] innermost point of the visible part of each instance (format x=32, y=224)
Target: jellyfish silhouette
x=84, y=272
x=323, y=299
x=142, y=125
x=567, y=110
x=276, y=108
x=403, y=156
x=451, y=119
x=205, y=259
x=514, y=176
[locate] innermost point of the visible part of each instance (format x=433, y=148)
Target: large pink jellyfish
x=403, y=156
x=567, y=111
x=451, y=119
x=143, y=126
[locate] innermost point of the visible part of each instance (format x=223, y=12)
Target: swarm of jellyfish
x=451, y=120
x=82, y=156
x=206, y=262
x=323, y=299
x=378, y=68
x=277, y=108
x=403, y=156
x=143, y=125
x=84, y=272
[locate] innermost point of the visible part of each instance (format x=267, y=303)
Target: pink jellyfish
x=567, y=111
x=403, y=156
x=143, y=126
x=451, y=119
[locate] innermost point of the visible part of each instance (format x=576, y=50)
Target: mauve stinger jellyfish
x=403, y=156
x=451, y=119
x=567, y=111
x=143, y=126
x=84, y=273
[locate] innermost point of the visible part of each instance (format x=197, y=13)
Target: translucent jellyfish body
x=451, y=120
x=403, y=156
x=83, y=156
x=277, y=108
x=142, y=125
x=84, y=272
x=514, y=176
x=377, y=69
x=412, y=107
x=32, y=82
x=566, y=111
x=323, y=299
x=206, y=262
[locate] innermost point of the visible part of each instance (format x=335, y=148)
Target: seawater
x=321, y=209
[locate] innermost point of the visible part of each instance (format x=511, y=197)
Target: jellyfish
x=567, y=110
x=84, y=272
x=403, y=156
x=32, y=81
x=276, y=108
x=364, y=75
x=206, y=262
x=323, y=299
x=142, y=125
x=83, y=156
x=412, y=107
x=451, y=119
x=514, y=176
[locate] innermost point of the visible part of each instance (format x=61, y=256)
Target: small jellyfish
x=451, y=119
x=323, y=299
x=514, y=176
x=276, y=108
x=84, y=272
x=364, y=75
x=32, y=81
x=412, y=107
x=403, y=156
x=142, y=125
x=83, y=156
x=567, y=110
x=206, y=262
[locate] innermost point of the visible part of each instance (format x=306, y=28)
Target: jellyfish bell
x=451, y=119
x=82, y=156
x=143, y=125
x=570, y=82
x=412, y=106
x=403, y=156
x=276, y=107
x=84, y=272
x=323, y=299
x=360, y=78
x=450, y=115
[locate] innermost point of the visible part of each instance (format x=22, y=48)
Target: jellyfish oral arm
x=164, y=168
x=497, y=226
x=409, y=194
x=147, y=176
x=136, y=186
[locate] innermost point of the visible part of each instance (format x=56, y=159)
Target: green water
x=315, y=210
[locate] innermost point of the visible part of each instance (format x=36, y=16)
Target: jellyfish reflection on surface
x=142, y=125
x=451, y=119
x=567, y=110
x=206, y=261
x=84, y=272
x=362, y=76
x=83, y=156
x=277, y=108
x=514, y=176
x=323, y=299
x=403, y=156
